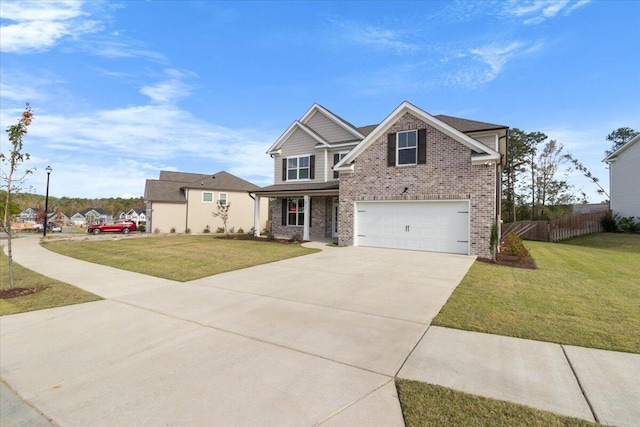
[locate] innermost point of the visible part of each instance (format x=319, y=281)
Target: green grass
x=585, y=292
x=431, y=405
x=56, y=293
x=180, y=257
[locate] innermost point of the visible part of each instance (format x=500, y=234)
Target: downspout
x=186, y=217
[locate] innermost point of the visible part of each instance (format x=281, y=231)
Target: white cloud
x=38, y=25
x=169, y=91
x=537, y=11
x=362, y=34
x=496, y=55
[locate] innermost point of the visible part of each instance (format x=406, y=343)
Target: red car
x=120, y=226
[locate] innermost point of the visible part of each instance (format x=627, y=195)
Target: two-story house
x=414, y=181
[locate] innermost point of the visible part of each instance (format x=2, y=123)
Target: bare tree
x=13, y=184
x=222, y=212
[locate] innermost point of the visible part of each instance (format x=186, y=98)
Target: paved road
x=315, y=340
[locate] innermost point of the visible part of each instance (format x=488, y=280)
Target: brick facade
x=320, y=214
x=447, y=175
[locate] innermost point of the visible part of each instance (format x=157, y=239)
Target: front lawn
x=585, y=292
x=179, y=257
x=432, y=405
x=51, y=293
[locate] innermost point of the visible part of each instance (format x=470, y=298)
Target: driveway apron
x=314, y=340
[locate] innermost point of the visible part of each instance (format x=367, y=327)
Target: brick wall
x=448, y=175
x=320, y=214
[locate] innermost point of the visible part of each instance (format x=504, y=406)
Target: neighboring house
x=29, y=215
x=179, y=201
x=414, y=181
x=136, y=215
x=586, y=208
x=91, y=216
x=624, y=179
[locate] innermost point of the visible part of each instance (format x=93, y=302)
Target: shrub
x=251, y=231
x=142, y=227
x=294, y=238
x=187, y=230
x=157, y=230
x=220, y=230
x=240, y=230
x=207, y=229
x=514, y=246
x=609, y=223
x=493, y=239
x=173, y=230
x=629, y=224
x=232, y=230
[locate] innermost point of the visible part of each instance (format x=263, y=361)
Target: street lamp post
x=46, y=202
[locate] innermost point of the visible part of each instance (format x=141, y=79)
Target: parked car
x=120, y=226
x=36, y=227
x=55, y=228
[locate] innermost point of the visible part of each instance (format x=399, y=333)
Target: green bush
x=207, y=229
x=240, y=230
x=156, y=230
x=219, y=230
x=629, y=224
x=609, y=223
x=295, y=238
x=173, y=230
x=514, y=246
x=187, y=230
x=142, y=227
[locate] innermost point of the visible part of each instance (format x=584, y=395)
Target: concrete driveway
x=314, y=340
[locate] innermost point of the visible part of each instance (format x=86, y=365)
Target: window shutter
x=310, y=215
x=284, y=212
x=284, y=169
x=312, y=167
x=391, y=149
x=422, y=146
x=336, y=159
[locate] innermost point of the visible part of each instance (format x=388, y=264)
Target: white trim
x=308, y=156
x=611, y=157
x=275, y=148
x=208, y=201
x=415, y=148
x=316, y=107
x=392, y=118
x=226, y=198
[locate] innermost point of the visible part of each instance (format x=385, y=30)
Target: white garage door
x=441, y=226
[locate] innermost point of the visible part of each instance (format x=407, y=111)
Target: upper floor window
x=336, y=158
x=407, y=147
x=222, y=199
x=207, y=197
x=297, y=168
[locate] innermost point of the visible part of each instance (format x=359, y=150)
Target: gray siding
x=328, y=129
x=299, y=144
x=625, y=182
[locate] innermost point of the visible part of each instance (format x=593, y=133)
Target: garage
x=436, y=226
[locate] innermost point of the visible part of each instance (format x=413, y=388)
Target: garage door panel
x=426, y=226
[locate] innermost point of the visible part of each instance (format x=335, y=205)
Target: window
x=222, y=199
x=295, y=212
x=407, y=147
x=336, y=158
x=297, y=168
x=207, y=197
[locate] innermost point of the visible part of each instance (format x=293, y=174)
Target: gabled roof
x=484, y=153
x=612, y=157
x=100, y=211
x=170, y=187
x=302, y=125
x=466, y=125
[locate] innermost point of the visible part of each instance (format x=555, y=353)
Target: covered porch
x=307, y=211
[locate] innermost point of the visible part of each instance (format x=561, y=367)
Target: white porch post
x=307, y=213
x=256, y=216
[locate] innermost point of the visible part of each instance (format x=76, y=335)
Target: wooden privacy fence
x=557, y=229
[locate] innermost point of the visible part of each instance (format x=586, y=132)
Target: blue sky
x=123, y=89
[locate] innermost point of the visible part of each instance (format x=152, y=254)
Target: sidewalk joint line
x=412, y=350
x=582, y=390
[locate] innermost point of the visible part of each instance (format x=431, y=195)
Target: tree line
x=535, y=175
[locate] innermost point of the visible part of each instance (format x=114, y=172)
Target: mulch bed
x=19, y=292
x=512, y=261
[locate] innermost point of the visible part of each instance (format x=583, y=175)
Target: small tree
x=222, y=212
x=13, y=160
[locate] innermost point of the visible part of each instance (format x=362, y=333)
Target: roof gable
x=303, y=125
x=612, y=157
x=484, y=153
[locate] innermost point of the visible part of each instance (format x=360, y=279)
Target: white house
x=624, y=179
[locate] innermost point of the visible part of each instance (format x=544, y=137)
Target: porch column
x=307, y=213
x=256, y=216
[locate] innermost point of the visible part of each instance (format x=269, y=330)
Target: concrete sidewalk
x=241, y=349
